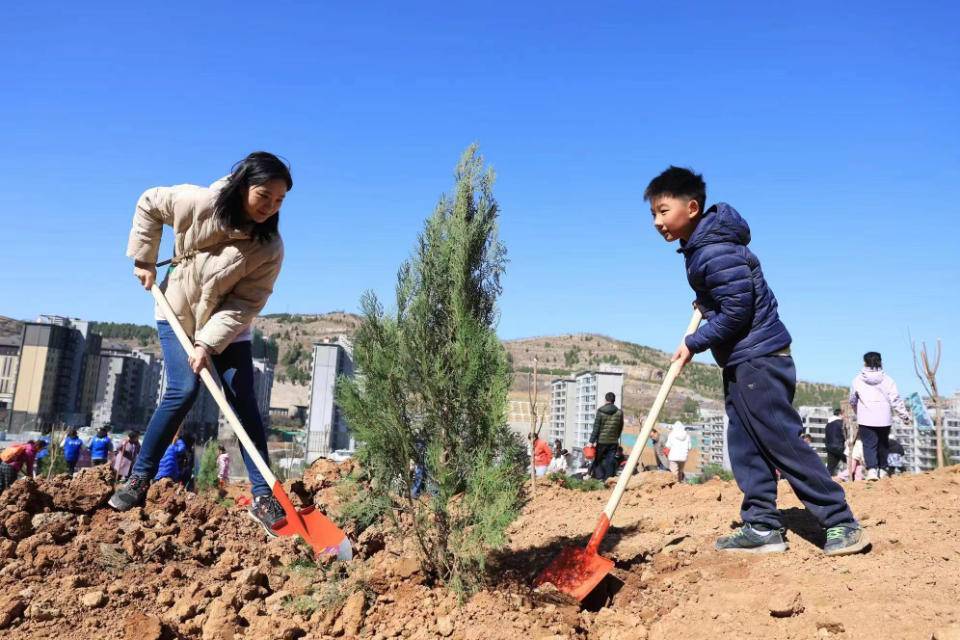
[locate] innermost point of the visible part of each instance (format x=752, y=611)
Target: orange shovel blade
x=324, y=537
x=576, y=572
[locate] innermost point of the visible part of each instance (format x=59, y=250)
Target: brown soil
x=185, y=566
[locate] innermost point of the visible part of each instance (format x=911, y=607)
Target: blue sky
x=833, y=129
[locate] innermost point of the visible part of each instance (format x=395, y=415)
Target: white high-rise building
x=591, y=387
x=563, y=411
x=713, y=441
x=815, y=421
x=327, y=431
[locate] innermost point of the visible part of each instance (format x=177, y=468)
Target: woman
x=227, y=255
x=874, y=397
x=17, y=458
x=541, y=454
x=678, y=445
x=126, y=454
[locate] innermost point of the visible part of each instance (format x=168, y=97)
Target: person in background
x=658, y=454
x=607, y=427
x=541, y=454
x=186, y=462
x=16, y=458
x=678, y=446
x=896, y=461
x=126, y=453
x=874, y=398
x=169, y=466
x=807, y=438
x=835, y=440
x=71, y=446
x=558, y=464
x=100, y=447
x=43, y=454
x=223, y=467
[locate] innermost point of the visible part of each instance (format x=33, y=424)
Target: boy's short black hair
x=678, y=182
x=836, y=412
x=610, y=397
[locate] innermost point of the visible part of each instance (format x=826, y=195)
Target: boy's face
x=674, y=218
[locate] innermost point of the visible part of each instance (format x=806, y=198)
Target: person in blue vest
x=169, y=466
x=71, y=446
x=100, y=447
x=43, y=454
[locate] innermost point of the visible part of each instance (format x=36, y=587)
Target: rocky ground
x=189, y=566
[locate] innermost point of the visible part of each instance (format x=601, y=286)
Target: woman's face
x=264, y=200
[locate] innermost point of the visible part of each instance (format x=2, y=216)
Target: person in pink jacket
x=874, y=398
x=17, y=458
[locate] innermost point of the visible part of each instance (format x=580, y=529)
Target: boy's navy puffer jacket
x=740, y=310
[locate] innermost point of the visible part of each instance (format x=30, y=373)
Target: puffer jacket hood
x=872, y=376
x=721, y=223
x=742, y=321
x=609, y=409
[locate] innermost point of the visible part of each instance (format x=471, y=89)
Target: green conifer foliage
x=432, y=388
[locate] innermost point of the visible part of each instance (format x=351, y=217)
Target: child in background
x=223, y=467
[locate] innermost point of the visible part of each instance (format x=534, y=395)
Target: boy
x=751, y=344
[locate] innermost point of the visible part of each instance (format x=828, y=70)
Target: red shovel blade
x=324, y=537
x=576, y=572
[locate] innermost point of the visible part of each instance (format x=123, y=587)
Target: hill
x=288, y=340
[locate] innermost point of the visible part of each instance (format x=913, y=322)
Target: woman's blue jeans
x=235, y=367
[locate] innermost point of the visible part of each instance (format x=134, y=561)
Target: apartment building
x=562, y=423
x=127, y=387
x=590, y=387
x=9, y=358
x=327, y=430
x=57, y=374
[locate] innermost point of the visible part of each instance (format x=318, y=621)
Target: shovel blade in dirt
x=323, y=536
x=576, y=571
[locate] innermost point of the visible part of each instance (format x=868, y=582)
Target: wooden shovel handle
x=214, y=388
x=648, y=424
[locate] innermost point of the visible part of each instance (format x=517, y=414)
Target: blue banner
x=921, y=417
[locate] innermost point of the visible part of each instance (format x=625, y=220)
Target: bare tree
x=536, y=421
x=926, y=370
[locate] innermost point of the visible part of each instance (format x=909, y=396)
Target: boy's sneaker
x=872, y=474
x=845, y=539
x=750, y=540
x=266, y=511
x=131, y=494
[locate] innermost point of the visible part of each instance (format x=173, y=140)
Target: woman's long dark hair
x=257, y=168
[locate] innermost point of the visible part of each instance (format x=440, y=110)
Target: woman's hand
x=199, y=359
x=146, y=273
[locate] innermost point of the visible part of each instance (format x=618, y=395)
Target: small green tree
x=207, y=474
x=431, y=397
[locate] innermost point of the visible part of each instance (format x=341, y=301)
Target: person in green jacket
x=607, y=427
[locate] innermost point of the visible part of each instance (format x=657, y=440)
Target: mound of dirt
x=192, y=566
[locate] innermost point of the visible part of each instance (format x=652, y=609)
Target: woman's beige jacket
x=221, y=277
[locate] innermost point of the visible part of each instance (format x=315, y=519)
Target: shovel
x=324, y=537
x=577, y=571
